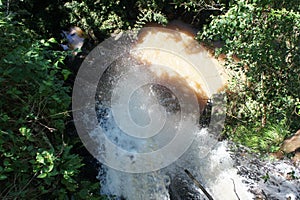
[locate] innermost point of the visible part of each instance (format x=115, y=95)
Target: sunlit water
x=206, y=158
x=215, y=172
x=178, y=73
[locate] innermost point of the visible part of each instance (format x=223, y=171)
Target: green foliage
x=146, y=16
x=266, y=39
x=36, y=160
x=105, y=17
x=35, y=155
x=100, y=16
x=199, y=11
x=196, y=5
x=44, y=17
x=265, y=139
x=287, y=4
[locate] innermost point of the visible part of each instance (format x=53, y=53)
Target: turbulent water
x=206, y=159
x=205, y=162
x=225, y=175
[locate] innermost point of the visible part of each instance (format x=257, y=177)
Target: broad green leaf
x=42, y=175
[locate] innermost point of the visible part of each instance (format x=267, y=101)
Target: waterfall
x=137, y=106
x=206, y=158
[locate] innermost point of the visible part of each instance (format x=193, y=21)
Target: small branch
x=25, y=186
x=7, y=7
x=198, y=184
x=230, y=115
x=61, y=113
x=234, y=189
x=47, y=127
x=295, y=111
x=62, y=146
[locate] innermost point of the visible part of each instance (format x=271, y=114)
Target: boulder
x=291, y=144
x=296, y=158
x=182, y=187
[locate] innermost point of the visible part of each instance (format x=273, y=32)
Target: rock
x=183, y=188
x=291, y=144
x=267, y=179
x=296, y=158
x=277, y=155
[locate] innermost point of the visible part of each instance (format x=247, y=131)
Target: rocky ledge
x=267, y=179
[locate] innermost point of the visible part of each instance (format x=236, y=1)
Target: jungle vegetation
x=39, y=157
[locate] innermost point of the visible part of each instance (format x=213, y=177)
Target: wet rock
x=183, y=188
x=267, y=179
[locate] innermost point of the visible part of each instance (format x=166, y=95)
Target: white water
x=206, y=159
x=215, y=172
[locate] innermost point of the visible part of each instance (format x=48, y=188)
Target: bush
x=105, y=17
x=266, y=38
x=35, y=155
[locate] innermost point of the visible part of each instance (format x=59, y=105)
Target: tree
x=266, y=37
x=36, y=159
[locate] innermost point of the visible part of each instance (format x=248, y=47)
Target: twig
x=47, y=127
x=234, y=189
x=230, y=115
x=7, y=7
x=33, y=177
x=61, y=113
x=295, y=111
x=198, y=184
x=194, y=18
x=62, y=146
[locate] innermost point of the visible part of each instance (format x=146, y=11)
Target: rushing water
x=164, y=103
x=224, y=174
x=214, y=171
x=158, y=114
x=205, y=160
